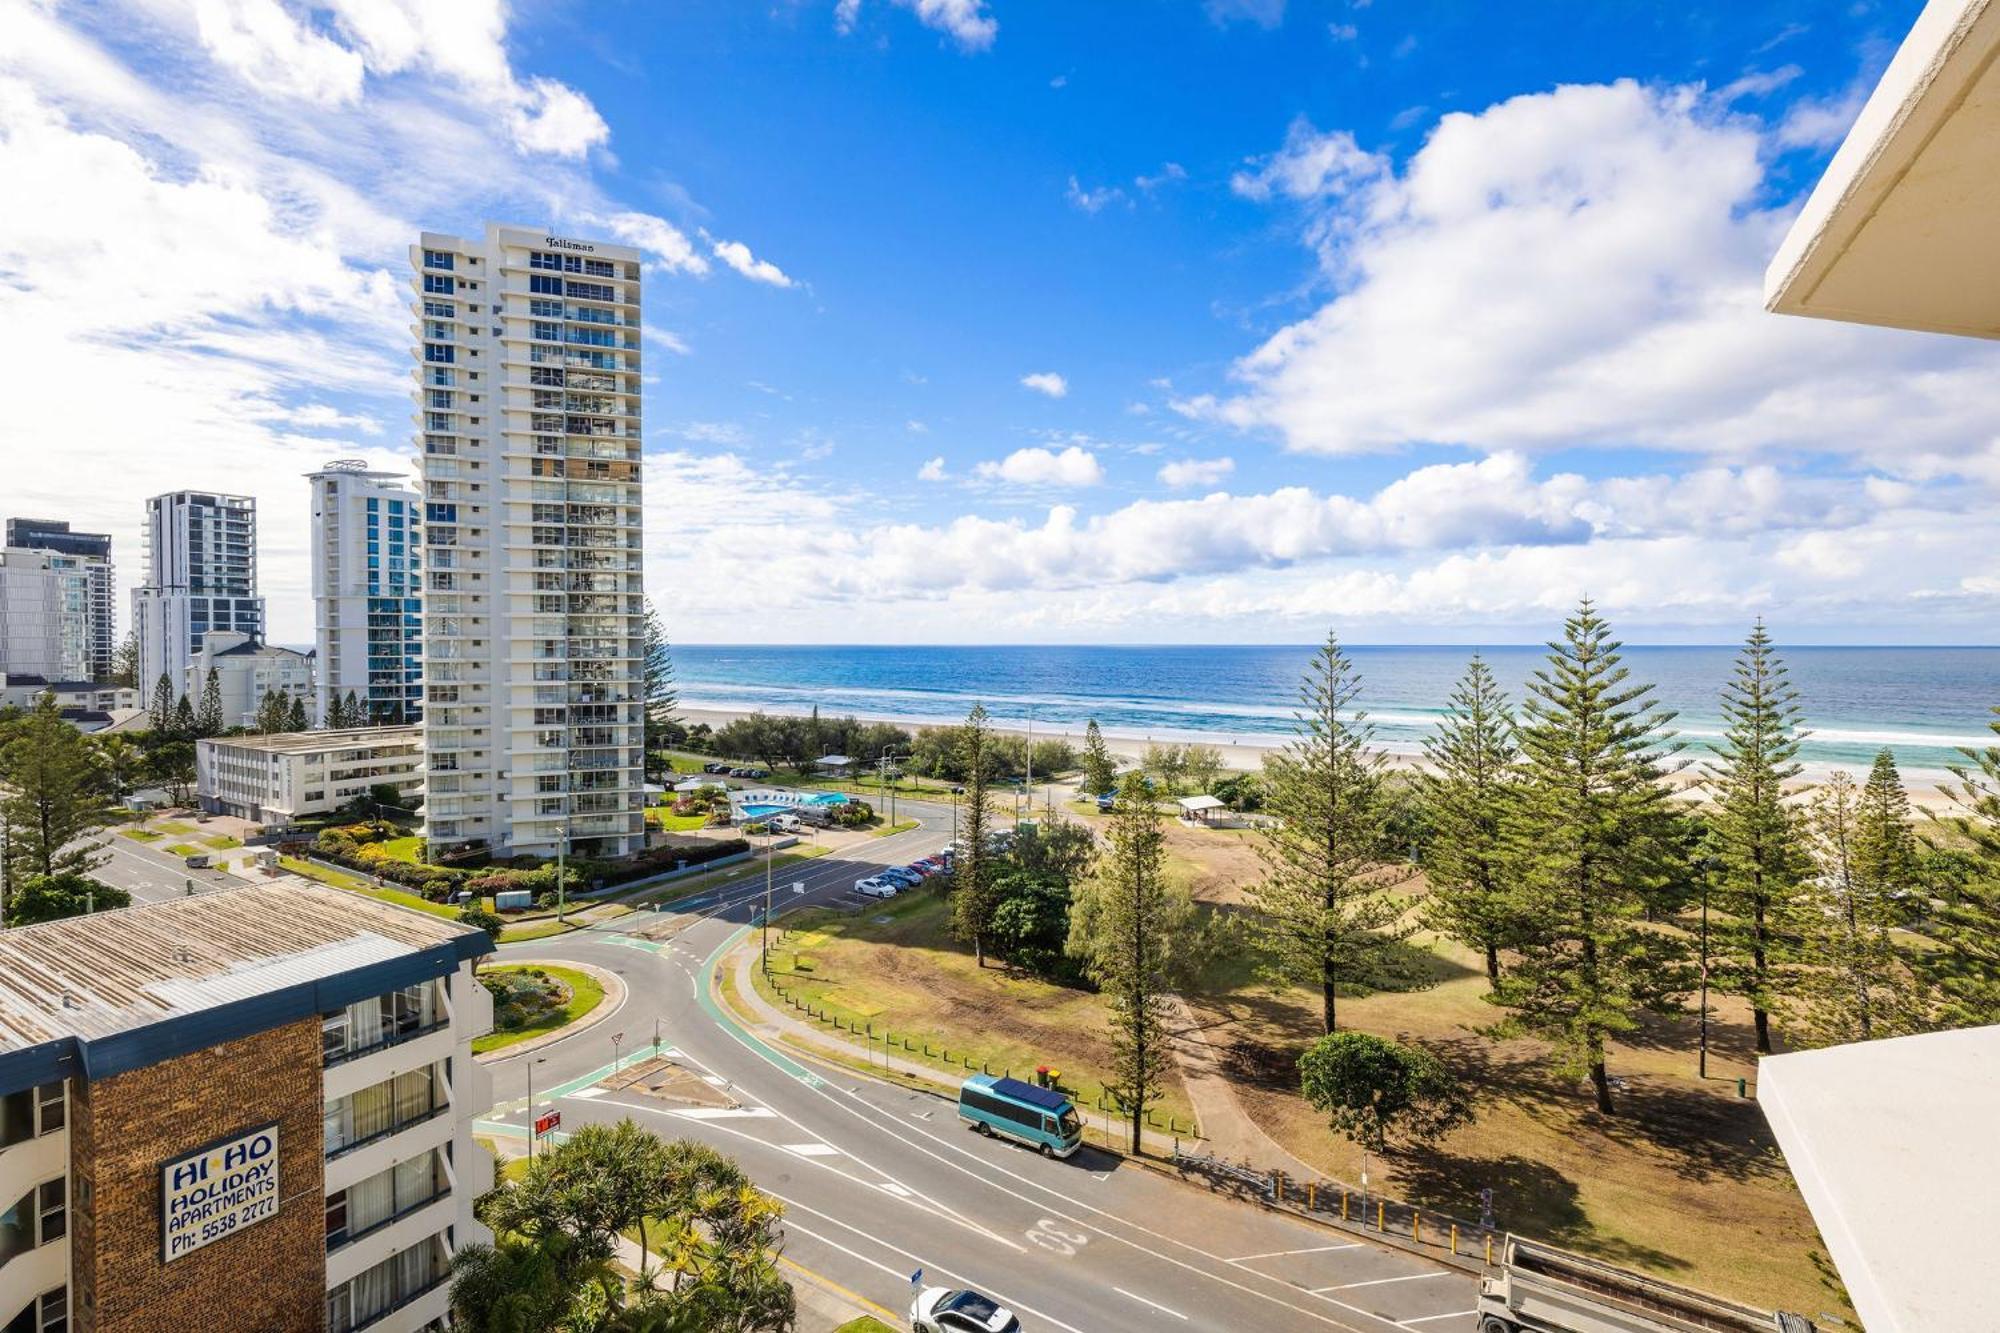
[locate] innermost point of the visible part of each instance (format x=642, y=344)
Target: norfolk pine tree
x=183, y=718
x=1465, y=794
x=54, y=799
x=160, y=716
x=1966, y=923
x=972, y=880
x=208, y=717
x=1124, y=926
x=1100, y=775
x=1853, y=982
x=1588, y=837
x=1325, y=905
x=1757, y=837
x=295, y=715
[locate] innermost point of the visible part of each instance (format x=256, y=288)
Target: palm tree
x=120, y=761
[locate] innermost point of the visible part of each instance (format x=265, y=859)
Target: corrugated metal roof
x=93, y=976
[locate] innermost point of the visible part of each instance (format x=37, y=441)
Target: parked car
x=199, y=861
x=909, y=879
x=943, y=1310
x=930, y=865
x=877, y=887
x=713, y=767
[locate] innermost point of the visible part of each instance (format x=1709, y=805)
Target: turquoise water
x=1921, y=703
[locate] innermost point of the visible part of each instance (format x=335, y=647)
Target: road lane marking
x=1310, y=1249
x=989, y=1170
x=1155, y=1304
x=812, y=1149
x=1455, y=1314
x=724, y=1113
x=923, y=1205
x=793, y=1205
x=1376, y=1282
x=585, y=1094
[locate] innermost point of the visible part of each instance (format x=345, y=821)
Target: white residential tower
x=528, y=375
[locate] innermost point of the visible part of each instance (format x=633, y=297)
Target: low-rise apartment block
x=278, y=778
x=245, y=671
x=249, y=1110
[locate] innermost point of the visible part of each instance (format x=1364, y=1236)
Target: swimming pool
x=766, y=809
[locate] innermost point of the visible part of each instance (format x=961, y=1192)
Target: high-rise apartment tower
x=528, y=374
x=88, y=555
x=367, y=528
x=201, y=575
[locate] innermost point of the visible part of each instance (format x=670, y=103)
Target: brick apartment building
x=246, y=1110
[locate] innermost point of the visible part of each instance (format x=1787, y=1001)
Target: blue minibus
x=1022, y=1112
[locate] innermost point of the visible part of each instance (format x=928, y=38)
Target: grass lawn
x=409, y=848
x=174, y=826
x=867, y=1323
x=667, y=821
x=141, y=834
x=340, y=879
x=183, y=849
x=906, y=975
x=901, y=826
x=222, y=842
x=1685, y=1181
x=538, y=930
x=539, y=1009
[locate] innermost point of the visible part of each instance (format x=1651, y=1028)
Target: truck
x=1538, y=1288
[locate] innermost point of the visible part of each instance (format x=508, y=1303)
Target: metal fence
x=1438, y=1235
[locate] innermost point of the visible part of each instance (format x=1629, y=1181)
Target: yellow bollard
x=1417, y=1227
x=1489, y=1251
x=1454, y=1238
x=1312, y=1194
x=1343, y=1205
x=1381, y=1215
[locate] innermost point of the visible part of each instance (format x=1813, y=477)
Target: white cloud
x=1036, y=466
x=1576, y=268
x=737, y=255
x=236, y=207
x=916, y=427
x=932, y=470
x=667, y=338
x=1095, y=199
x=274, y=53
x=1187, y=472
x=672, y=251
x=710, y=432
x=1046, y=382
x=1309, y=166
x=966, y=22
x=1170, y=173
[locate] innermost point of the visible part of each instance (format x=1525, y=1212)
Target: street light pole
x=770, y=841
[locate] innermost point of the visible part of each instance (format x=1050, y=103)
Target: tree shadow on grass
x=1529, y=1197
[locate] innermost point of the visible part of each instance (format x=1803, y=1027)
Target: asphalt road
x=879, y=1181
x=150, y=874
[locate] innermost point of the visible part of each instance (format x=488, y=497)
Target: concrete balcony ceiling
x=1904, y=228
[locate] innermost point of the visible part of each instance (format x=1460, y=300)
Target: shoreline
x=1241, y=755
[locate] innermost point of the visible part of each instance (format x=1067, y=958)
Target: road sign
x=547, y=1121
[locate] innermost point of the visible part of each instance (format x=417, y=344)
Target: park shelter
x=1200, y=809
x=1893, y=1142
x=834, y=765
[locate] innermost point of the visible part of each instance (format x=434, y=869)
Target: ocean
x=1922, y=703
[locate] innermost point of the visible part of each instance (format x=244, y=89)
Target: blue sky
x=975, y=320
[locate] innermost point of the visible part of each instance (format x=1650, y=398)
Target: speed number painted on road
x=1055, y=1237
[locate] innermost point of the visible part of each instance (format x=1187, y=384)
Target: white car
x=944, y=1310
x=876, y=887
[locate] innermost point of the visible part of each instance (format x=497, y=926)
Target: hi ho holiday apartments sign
x=218, y=1190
